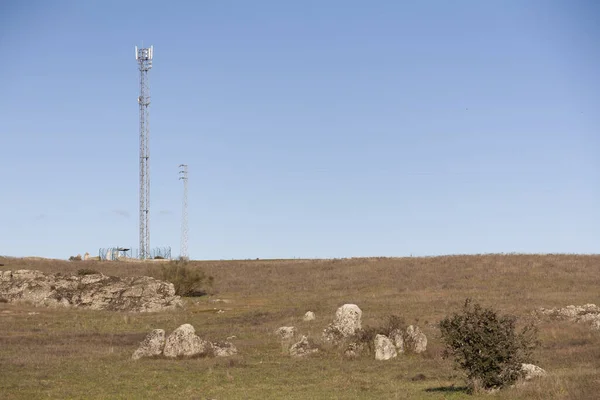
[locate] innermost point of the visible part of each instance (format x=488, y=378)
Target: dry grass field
x=69, y=353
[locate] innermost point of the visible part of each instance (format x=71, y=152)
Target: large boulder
x=346, y=322
x=152, y=345
x=302, y=348
x=183, y=342
x=95, y=291
x=384, y=348
x=415, y=341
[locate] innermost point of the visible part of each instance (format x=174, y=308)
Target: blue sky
x=311, y=129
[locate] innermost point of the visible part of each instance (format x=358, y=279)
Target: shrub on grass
x=188, y=281
x=487, y=346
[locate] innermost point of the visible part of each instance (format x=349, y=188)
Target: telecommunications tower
x=144, y=59
x=183, y=175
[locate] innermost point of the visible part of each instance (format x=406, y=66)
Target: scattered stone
x=532, y=371
x=286, y=332
x=152, y=345
x=309, y=316
x=224, y=349
x=415, y=341
x=95, y=291
x=347, y=321
x=302, y=348
x=183, y=341
x=384, y=348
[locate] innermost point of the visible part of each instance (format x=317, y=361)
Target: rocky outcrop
x=415, y=341
x=183, y=342
x=302, y=348
x=384, y=348
x=346, y=322
x=96, y=291
x=152, y=345
x=587, y=313
x=309, y=316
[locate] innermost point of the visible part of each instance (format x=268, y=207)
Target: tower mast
x=144, y=59
x=183, y=175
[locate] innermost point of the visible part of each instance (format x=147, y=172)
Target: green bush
x=487, y=346
x=188, y=281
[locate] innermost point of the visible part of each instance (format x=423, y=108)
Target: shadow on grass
x=447, y=389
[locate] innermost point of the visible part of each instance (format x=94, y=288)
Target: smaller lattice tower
x=183, y=176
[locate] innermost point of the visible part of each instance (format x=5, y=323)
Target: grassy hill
x=60, y=353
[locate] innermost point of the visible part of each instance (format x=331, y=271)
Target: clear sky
x=319, y=128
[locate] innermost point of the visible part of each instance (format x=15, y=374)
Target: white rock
x=309, y=316
x=346, y=322
x=151, y=346
x=224, y=349
x=532, y=371
x=302, y=348
x=348, y=319
x=415, y=340
x=384, y=348
x=184, y=342
x=286, y=332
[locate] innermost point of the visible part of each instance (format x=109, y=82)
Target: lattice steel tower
x=144, y=59
x=183, y=175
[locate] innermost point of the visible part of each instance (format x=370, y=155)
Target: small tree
x=487, y=346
